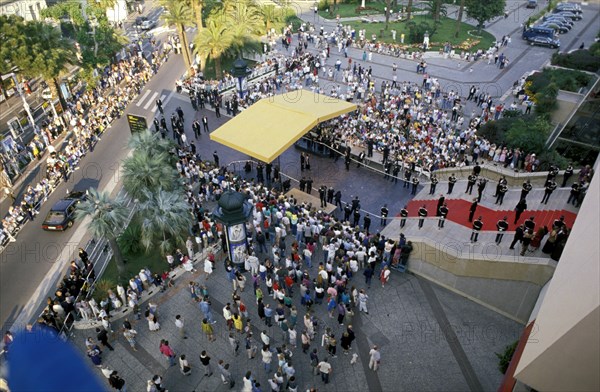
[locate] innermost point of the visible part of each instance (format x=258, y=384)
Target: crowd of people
x=87, y=116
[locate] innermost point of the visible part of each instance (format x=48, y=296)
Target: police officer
x=433, y=184
x=501, y=192
x=422, y=216
x=501, y=226
x=443, y=213
x=477, y=226
x=501, y=181
x=403, y=215
x=567, y=174
x=550, y=187
x=451, y=182
x=470, y=183
x=526, y=189
x=415, y=184
x=384, y=214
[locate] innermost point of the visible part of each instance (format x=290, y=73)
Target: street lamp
x=233, y=211
x=240, y=72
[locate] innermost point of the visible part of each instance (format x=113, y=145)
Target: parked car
x=568, y=7
x=62, y=214
x=544, y=41
x=570, y=15
x=556, y=26
x=561, y=19
x=532, y=4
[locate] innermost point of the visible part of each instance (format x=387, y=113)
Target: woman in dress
x=549, y=245
x=537, y=239
x=208, y=267
x=153, y=324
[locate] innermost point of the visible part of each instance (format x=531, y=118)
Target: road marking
x=143, y=97
x=150, y=101
x=162, y=98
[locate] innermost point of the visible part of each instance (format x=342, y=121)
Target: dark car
x=144, y=24
x=561, y=29
x=62, y=214
x=544, y=41
x=569, y=15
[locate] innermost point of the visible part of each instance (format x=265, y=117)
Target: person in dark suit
x=521, y=206
x=472, y=210
x=518, y=236
x=480, y=188
x=403, y=215
x=440, y=203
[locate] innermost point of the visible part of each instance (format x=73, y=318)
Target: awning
x=267, y=128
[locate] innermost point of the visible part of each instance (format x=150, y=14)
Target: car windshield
x=55, y=217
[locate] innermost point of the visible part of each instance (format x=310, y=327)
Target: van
x=538, y=31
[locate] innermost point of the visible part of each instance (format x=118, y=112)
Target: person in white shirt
x=374, y=358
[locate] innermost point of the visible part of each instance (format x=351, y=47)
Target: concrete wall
x=505, y=285
x=564, y=352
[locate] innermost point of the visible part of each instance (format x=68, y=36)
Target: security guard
x=433, y=184
x=477, y=226
x=422, y=216
x=470, y=183
x=526, y=189
x=443, y=213
x=501, y=226
x=451, y=182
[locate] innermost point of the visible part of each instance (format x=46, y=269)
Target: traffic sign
x=136, y=123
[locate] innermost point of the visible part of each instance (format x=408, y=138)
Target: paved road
x=25, y=264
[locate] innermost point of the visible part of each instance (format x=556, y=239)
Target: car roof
x=62, y=205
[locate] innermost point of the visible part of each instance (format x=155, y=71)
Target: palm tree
x=108, y=217
x=150, y=143
x=197, y=6
x=37, y=48
x=143, y=173
x=180, y=15
x=166, y=220
x=269, y=15
x=245, y=21
x=214, y=41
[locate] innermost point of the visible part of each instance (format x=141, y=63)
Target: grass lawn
x=444, y=33
x=152, y=260
x=348, y=10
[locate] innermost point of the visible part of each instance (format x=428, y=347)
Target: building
x=560, y=348
x=27, y=9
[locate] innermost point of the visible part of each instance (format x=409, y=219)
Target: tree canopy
x=482, y=11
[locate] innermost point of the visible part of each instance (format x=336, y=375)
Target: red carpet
x=458, y=212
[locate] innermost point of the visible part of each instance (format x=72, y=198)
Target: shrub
x=506, y=356
x=129, y=240
x=101, y=289
x=323, y=5
x=585, y=60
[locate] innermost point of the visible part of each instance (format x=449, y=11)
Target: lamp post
x=233, y=211
x=240, y=72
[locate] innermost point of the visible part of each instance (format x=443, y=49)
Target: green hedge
x=585, y=59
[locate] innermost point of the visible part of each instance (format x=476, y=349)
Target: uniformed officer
x=422, y=216
x=451, y=182
x=443, y=213
x=323, y=195
x=347, y=212
x=550, y=187
x=526, y=189
x=407, y=174
x=501, y=181
x=574, y=193
x=501, y=192
x=384, y=214
x=403, y=215
x=567, y=174
x=477, y=226
x=470, y=183
x=501, y=226
x=433, y=184
x=367, y=223
x=415, y=184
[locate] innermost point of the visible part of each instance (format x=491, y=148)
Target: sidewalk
x=418, y=352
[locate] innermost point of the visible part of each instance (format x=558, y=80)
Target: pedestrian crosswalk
x=148, y=100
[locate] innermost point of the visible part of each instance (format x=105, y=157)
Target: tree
x=166, y=220
x=269, y=15
x=197, y=7
x=436, y=9
x=482, y=11
x=459, y=17
x=37, y=48
x=409, y=10
x=214, y=41
x=108, y=217
x=180, y=15
x=143, y=172
x=151, y=143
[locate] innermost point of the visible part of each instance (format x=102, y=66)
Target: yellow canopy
x=267, y=128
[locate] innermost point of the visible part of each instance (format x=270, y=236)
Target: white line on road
x=150, y=101
x=143, y=97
